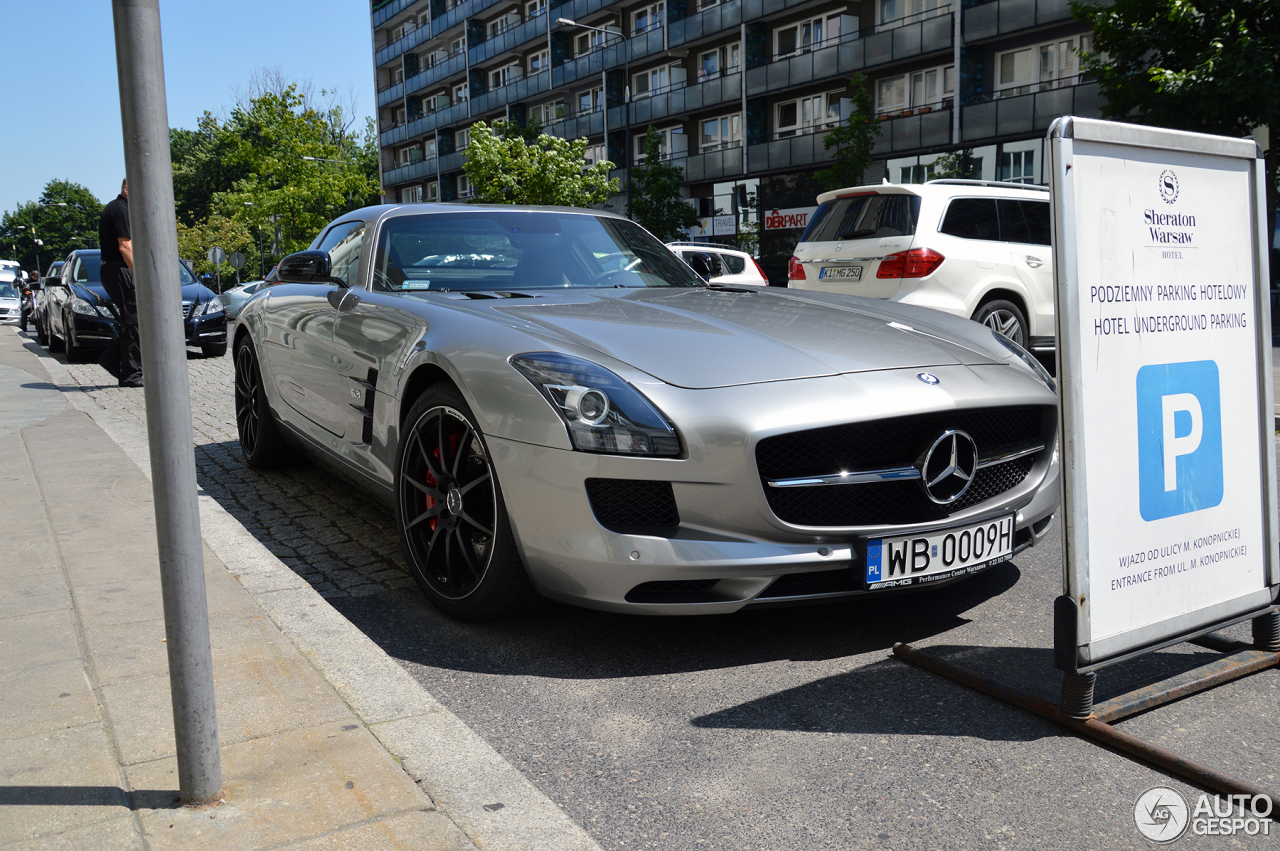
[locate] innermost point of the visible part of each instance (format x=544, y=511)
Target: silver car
x=556, y=405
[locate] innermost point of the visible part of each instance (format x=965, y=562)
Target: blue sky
x=60, y=116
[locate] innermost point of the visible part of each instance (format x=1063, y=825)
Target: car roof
x=379, y=211
x=940, y=187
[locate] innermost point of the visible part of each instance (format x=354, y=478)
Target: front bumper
x=727, y=530
x=204, y=331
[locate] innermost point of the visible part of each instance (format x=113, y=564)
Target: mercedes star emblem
x=949, y=466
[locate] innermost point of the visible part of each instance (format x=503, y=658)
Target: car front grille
x=894, y=443
x=632, y=503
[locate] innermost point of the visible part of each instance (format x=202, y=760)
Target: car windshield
x=521, y=250
x=90, y=270
x=7, y=290
x=864, y=216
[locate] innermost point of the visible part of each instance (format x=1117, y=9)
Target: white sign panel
x=724, y=226
x=1167, y=443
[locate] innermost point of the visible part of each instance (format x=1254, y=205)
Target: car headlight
x=79, y=305
x=103, y=310
x=212, y=306
x=602, y=412
x=1029, y=359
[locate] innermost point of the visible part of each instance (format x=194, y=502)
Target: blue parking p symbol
x=1179, y=439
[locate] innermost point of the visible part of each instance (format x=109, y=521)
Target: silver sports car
x=557, y=405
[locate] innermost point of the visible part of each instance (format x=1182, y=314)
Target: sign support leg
x=1266, y=632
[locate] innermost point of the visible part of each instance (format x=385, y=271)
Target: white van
x=966, y=247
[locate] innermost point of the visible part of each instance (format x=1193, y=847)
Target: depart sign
x=1166, y=417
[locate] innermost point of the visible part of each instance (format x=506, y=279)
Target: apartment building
x=743, y=92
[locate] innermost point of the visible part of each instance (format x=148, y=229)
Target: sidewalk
x=326, y=743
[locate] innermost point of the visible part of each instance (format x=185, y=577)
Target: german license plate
x=848, y=273
x=935, y=556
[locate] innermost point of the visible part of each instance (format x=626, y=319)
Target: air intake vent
x=633, y=504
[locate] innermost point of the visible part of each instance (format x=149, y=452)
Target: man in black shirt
x=123, y=358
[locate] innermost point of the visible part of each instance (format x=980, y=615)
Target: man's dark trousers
x=123, y=358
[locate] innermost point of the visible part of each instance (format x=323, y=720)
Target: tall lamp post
x=626, y=90
x=36, y=243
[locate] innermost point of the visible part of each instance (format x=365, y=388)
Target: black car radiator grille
x=890, y=443
x=633, y=503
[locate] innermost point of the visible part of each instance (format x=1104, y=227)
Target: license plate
x=850, y=273
x=935, y=556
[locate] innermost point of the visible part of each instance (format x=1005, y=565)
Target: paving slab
x=41, y=698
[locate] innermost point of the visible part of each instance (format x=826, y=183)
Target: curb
x=495, y=805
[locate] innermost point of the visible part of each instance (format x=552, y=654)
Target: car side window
x=734, y=264
x=1024, y=221
x=343, y=243
x=78, y=272
x=972, y=218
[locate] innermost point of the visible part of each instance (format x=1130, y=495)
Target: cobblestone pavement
x=339, y=539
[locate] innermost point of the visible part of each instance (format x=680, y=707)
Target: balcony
x=705, y=23
x=436, y=74
x=389, y=10
x=514, y=92
x=585, y=66
x=412, y=171
x=426, y=124
x=1026, y=114
x=390, y=94
x=714, y=165
x=793, y=152
x=922, y=129
x=756, y=9
x=585, y=124
x=452, y=162
x=401, y=45
x=680, y=100
x=517, y=36
x=578, y=10
x=1008, y=16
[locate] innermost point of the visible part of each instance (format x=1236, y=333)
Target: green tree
x=656, y=204
x=506, y=169
x=218, y=231
x=957, y=164
x=1201, y=65
x=65, y=217
x=853, y=141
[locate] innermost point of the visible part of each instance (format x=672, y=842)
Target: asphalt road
x=780, y=729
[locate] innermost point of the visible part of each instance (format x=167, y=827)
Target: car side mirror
x=700, y=263
x=308, y=267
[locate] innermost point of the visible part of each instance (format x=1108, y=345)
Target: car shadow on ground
x=568, y=642
x=893, y=697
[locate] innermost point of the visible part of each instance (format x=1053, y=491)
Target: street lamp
x=626, y=91
x=36, y=243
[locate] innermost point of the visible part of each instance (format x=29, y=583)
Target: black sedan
x=79, y=316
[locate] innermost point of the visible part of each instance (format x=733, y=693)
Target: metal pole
x=140, y=65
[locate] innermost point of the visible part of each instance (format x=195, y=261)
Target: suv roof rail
x=993, y=184
x=700, y=244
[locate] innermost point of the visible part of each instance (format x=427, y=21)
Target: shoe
x=131, y=382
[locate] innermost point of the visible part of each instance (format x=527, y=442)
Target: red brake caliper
x=431, y=480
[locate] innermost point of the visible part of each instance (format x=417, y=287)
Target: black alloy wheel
x=75, y=351
x=261, y=443
x=453, y=522
x=42, y=336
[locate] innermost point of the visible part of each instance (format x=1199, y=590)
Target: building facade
x=742, y=92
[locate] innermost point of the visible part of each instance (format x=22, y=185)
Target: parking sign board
x=1166, y=411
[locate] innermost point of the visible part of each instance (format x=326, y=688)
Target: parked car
x=79, y=316
x=969, y=248
x=729, y=266
x=38, y=302
x=10, y=299
x=632, y=438
x=235, y=298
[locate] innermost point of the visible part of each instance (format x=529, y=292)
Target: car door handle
x=343, y=300
x=1034, y=262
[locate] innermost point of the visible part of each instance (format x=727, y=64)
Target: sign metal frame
x=1077, y=650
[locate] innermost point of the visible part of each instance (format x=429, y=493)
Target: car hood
x=701, y=338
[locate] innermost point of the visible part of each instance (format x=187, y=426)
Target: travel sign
x=1168, y=455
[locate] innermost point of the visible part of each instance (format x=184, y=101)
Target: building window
x=899, y=12
x=547, y=113
x=594, y=154
x=458, y=45
x=433, y=191
x=398, y=116
x=650, y=82
x=921, y=91
x=648, y=17
x=806, y=115
x=411, y=195
x=589, y=41
x=590, y=100
x=671, y=143
x=722, y=60
x=460, y=93
x=915, y=173
x=806, y=35
x=535, y=8
x=464, y=186
x=461, y=139
x=707, y=4
x=1018, y=166
x=1041, y=67
x=504, y=76
x=539, y=61
x=722, y=132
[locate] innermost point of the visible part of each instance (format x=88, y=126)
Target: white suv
x=731, y=266
x=971, y=248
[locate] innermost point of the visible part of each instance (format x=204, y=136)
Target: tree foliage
x=1201, y=65
x=853, y=140
x=218, y=231
x=957, y=164
x=656, y=204
x=61, y=228
x=504, y=168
